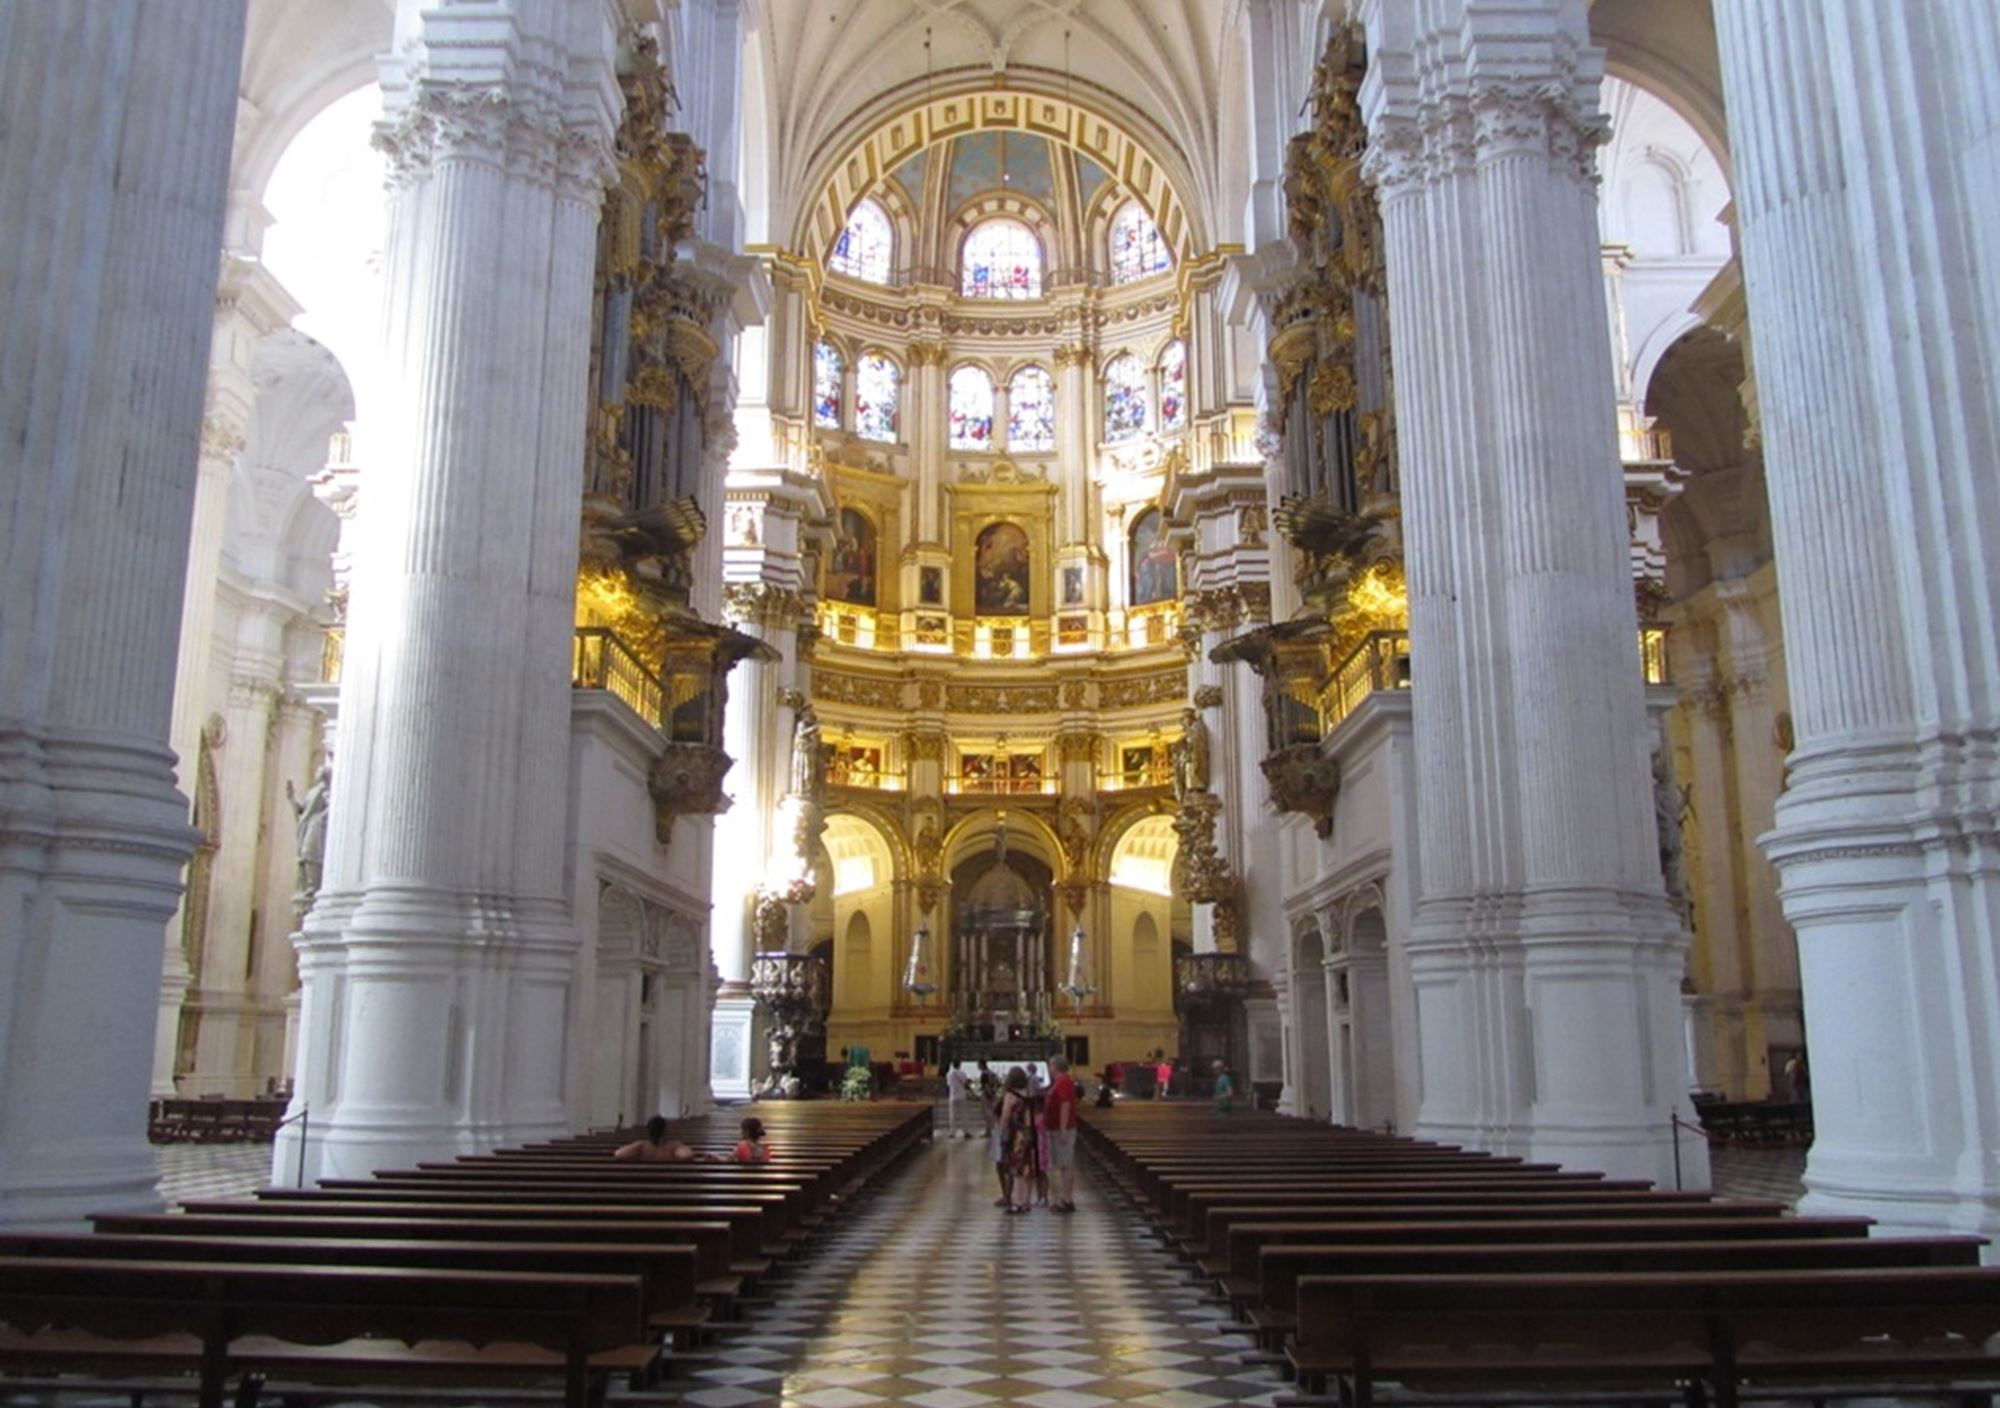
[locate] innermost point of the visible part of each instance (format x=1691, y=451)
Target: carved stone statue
x=1191, y=755
x=310, y=816
x=807, y=757
x=1667, y=802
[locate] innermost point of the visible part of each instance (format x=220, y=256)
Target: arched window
x=1001, y=259
x=877, y=387
x=971, y=409
x=1173, y=386
x=865, y=247
x=827, y=372
x=1124, y=398
x=1137, y=251
x=1031, y=410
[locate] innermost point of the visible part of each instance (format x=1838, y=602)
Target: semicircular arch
x=884, y=134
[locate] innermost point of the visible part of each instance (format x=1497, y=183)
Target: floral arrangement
x=857, y=1084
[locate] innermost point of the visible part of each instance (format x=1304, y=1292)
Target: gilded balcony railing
x=1380, y=661
x=603, y=661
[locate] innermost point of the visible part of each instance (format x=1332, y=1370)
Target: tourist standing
x=1016, y=1140
x=955, y=1085
x=1225, y=1089
x=1059, y=1115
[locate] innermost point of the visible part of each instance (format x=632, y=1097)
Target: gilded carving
x=865, y=691
x=1162, y=688
x=1079, y=745
x=686, y=780
x=924, y=746
x=1306, y=781
x=1001, y=699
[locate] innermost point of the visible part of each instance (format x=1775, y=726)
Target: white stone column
x=1546, y=958
x=119, y=117
x=438, y=958
x=1865, y=143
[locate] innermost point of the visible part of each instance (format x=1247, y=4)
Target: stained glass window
x=1136, y=247
x=1173, y=387
x=864, y=248
x=1002, y=259
x=827, y=370
x=1031, y=410
x=877, y=385
x=1124, y=398
x=971, y=409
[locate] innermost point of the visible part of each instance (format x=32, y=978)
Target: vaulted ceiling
x=825, y=72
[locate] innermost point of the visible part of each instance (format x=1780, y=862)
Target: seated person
x=753, y=1147
x=655, y=1148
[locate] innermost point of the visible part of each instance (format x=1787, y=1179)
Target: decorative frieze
x=1001, y=699
x=862, y=691
x=1166, y=687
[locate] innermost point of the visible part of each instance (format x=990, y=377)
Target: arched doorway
x=1311, y=1016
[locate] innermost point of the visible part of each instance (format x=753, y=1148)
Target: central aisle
x=933, y=1297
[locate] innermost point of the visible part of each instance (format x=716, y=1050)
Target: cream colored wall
x=1727, y=735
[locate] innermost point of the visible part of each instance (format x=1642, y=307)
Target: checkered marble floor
x=931, y=1296
x=190, y=1171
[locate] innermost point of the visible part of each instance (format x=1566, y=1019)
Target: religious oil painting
x=1000, y=565
x=930, y=586
x=850, y=573
x=1155, y=574
x=1072, y=586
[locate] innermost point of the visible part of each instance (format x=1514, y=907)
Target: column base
x=351, y=1145
x=1903, y=1202
x=731, y=1047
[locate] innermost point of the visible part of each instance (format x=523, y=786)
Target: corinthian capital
x=517, y=127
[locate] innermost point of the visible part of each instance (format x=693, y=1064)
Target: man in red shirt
x=1059, y=1119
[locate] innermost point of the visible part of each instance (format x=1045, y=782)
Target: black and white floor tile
x=933, y=1297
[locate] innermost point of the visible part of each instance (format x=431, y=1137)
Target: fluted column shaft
x=438, y=958
x=1866, y=159
x=119, y=118
x=926, y=425
x=1542, y=932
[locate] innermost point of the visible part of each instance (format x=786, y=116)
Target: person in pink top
x=753, y=1147
x=1059, y=1107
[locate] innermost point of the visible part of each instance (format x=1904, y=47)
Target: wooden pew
x=1250, y=1239
x=711, y=1242
x=667, y=1272
x=1879, y=1331
x=1197, y=1240
x=1274, y=1307
x=573, y=1317
x=745, y=1223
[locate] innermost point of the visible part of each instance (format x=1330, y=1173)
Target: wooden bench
x=1198, y=1238
x=714, y=1282
x=746, y=1257
x=1274, y=1294
x=85, y=1300
x=1249, y=1240
x=1868, y=1331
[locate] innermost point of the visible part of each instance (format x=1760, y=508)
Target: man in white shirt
x=955, y=1085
